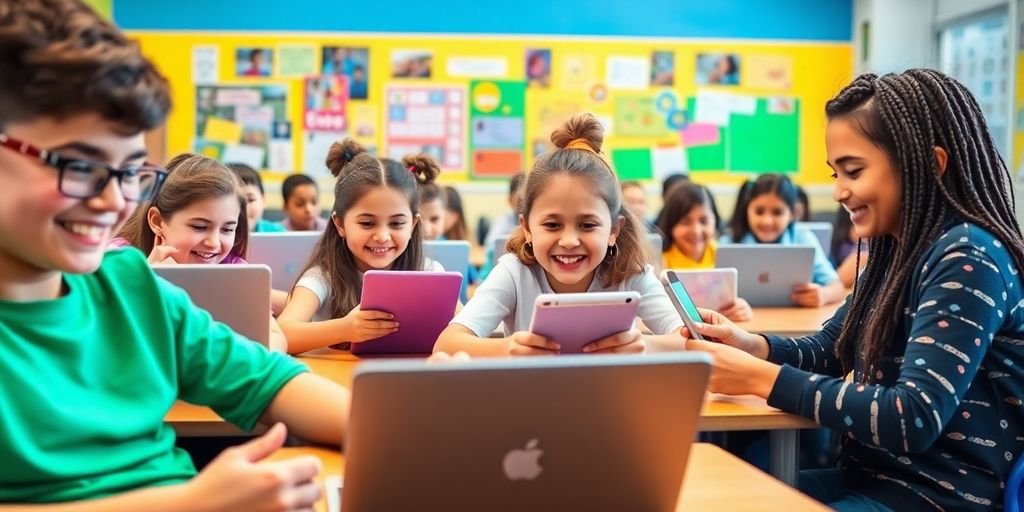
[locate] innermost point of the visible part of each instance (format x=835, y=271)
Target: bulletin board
x=485, y=106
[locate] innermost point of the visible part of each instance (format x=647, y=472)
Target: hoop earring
x=528, y=246
x=613, y=251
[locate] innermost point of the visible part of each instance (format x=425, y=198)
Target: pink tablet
x=423, y=303
x=575, y=319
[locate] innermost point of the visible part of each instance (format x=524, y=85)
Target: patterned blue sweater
x=940, y=424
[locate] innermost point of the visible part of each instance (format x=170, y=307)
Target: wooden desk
x=790, y=321
x=715, y=480
x=720, y=413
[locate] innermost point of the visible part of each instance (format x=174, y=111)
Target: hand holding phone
x=683, y=303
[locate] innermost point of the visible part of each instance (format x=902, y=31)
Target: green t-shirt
x=86, y=380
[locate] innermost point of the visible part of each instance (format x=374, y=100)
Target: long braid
x=907, y=115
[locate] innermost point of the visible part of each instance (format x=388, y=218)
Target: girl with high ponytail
x=376, y=227
x=575, y=235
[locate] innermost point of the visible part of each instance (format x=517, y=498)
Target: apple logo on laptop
x=523, y=464
x=764, y=277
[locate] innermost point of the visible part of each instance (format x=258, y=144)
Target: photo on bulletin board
x=353, y=63
x=411, y=63
x=538, y=67
x=239, y=123
x=663, y=68
x=718, y=69
x=250, y=62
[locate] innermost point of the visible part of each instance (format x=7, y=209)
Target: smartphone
x=575, y=319
x=684, y=304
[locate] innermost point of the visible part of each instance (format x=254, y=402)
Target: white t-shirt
x=313, y=280
x=508, y=294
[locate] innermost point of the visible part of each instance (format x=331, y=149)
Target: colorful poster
x=353, y=63
x=254, y=62
x=326, y=98
x=497, y=127
x=239, y=121
x=296, y=60
x=638, y=116
x=411, y=63
x=663, y=68
x=718, y=69
x=427, y=119
x=538, y=67
x=768, y=72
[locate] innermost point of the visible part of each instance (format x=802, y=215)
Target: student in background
x=635, y=197
x=504, y=225
x=920, y=372
x=848, y=253
x=197, y=217
x=434, y=215
x=432, y=210
x=455, y=218
x=690, y=223
x=92, y=342
x=802, y=209
x=252, y=185
x=667, y=185
x=575, y=235
x=302, y=204
x=765, y=214
x=375, y=227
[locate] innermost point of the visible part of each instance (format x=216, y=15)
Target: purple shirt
x=119, y=242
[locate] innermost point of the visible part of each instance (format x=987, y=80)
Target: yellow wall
x=818, y=71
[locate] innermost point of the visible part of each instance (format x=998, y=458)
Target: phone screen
x=684, y=300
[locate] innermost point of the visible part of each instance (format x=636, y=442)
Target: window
x=976, y=52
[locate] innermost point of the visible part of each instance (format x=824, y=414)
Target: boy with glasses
x=94, y=350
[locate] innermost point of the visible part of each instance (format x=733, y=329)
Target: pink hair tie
x=412, y=168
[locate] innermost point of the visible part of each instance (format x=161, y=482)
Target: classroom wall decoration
x=485, y=106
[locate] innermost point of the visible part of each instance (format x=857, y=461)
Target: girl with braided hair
x=922, y=369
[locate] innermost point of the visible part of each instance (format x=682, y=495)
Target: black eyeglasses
x=85, y=179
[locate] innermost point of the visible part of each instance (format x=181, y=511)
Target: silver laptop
x=768, y=272
x=285, y=253
x=236, y=295
x=453, y=255
x=822, y=231
x=559, y=433
x=654, y=239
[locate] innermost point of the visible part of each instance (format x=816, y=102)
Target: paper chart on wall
x=427, y=119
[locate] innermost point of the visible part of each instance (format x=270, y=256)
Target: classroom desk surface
x=790, y=321
x=715, y=480
x=720, y=412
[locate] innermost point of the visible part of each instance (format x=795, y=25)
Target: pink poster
x=424, y=119
x=326, y=99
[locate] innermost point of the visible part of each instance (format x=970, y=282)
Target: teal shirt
x=87, y=379
x=265, y=226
